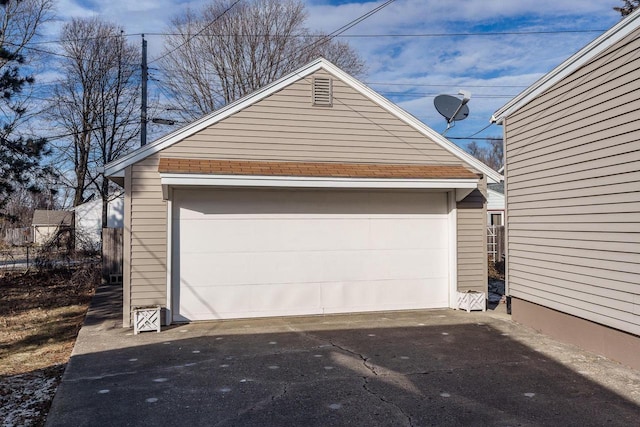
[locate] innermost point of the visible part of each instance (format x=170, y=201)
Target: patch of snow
x=25, y=399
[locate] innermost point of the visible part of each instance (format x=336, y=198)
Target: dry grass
x=40, y=316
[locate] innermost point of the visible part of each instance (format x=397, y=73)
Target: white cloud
x=447, y=63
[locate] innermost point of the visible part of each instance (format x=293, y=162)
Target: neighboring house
x=572, y=148
x=88, y=221
x=312, y=195
x=47, y=223
x=495, y=203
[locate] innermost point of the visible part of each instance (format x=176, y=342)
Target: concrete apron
x=436, y=367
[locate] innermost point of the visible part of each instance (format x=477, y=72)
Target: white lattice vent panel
x=471, y=300
x=146, y=319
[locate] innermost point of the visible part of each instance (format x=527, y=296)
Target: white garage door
x=254, y=253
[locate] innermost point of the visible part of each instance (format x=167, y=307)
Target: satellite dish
x=449, y=107
x=452, y=108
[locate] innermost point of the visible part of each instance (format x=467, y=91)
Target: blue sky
x=416, y=49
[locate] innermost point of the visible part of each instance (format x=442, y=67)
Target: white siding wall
x=495, y=201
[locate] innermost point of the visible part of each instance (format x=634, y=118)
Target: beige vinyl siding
x=287, y=127
x=573, y=196
x=126, y=251
x=148, y=237
x=472, y=240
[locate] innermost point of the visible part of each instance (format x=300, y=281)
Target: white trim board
x=169, y=180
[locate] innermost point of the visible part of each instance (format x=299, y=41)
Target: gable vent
x=322, y=91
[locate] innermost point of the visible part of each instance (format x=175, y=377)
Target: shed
x=46, y=223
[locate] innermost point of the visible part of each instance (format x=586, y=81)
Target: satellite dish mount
x=453, y=108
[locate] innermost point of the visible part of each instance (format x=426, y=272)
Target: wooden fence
x=495, y=242
x=112, y=254
x=17, y=236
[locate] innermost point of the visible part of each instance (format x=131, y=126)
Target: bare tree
x=227, y=50
x=492, y=155
x=628, y=8
x=20, y=155
x=96, y=102
x=23, y=201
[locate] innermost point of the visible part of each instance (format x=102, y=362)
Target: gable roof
x=51, y=218
x=498, y=187
x=116, y=168
x=576, y=61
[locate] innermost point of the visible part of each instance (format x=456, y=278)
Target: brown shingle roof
x=308, y=169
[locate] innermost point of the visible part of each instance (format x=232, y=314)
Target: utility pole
x=143, y=104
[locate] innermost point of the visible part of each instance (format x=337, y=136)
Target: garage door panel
x=375, y=295
x=310, y=266
x=313, y=257
x=228, y=235
x=396, y=233
x=201, y=204
x=235, y=301
x=276, y=235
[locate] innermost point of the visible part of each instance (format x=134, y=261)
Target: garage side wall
x=472, y=240
x=573, y=193
x=147, y=238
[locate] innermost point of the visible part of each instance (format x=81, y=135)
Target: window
x=495, y=218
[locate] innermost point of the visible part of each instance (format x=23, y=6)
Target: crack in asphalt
x=355, y=353
x=388, y=402
x=339, y=347
x=365, y=363
x=257, y=406
x=98, y=377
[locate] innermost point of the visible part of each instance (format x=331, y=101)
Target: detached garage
x=275, y=206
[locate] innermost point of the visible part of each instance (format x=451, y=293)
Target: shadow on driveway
x=377, y=369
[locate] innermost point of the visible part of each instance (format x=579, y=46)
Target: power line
x=62, y=55
x=325, y=38
x=82, y=39
x=474, y=34
x=481, y=130
x=66, y=135
x=358, y=20
x=432, y=95
x=196, y=34
x=444, y=85
x=482, y=138
x=419, y=35
x=335, y=33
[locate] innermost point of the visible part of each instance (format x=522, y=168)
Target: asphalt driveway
x=437, y=367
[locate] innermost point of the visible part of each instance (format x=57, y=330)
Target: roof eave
x=256, y=181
